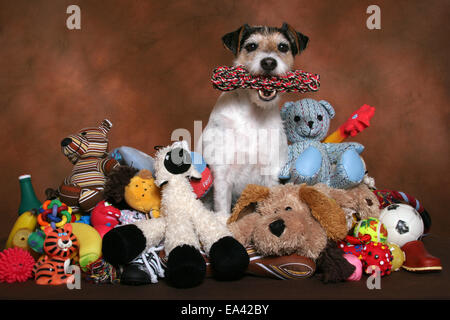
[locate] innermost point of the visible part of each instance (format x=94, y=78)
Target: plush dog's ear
x=326, y=211
x=232, y=40
x=250, y=196
x=298, y=40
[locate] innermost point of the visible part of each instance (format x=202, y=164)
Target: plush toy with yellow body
x=127, y=187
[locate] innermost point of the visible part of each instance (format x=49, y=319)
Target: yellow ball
x=398, y=256
x=373, y=227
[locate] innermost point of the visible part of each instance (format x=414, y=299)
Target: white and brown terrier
x=244, y=141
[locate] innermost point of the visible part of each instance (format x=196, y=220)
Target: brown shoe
x=418, y=259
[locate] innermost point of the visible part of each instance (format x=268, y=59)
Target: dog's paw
x=186, y=267
x=229, y=259
x=123, y=244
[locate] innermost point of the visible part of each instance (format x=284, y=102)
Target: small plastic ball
x=398, y=256
x=352, y=259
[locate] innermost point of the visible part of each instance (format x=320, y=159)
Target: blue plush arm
x=335, y=150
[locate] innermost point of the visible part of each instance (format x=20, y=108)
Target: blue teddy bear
x=306, y=123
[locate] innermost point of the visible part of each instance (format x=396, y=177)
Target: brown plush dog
x=288, y=219
x=358, y=203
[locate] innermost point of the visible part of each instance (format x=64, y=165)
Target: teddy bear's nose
x=65, y=142
x=277, y=227
x=310, y=124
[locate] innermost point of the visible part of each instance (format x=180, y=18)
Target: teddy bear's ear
x=326, y=211
x=328, y=107
x=250, y=196
x=106, y=126
x=285, y=109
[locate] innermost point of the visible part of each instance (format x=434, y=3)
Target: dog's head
x=174, y=163
x=267, y=51
x=359, y=203
x=88, y=142
x=288, y=219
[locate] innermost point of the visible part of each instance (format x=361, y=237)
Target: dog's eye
x=251, y=47
x=283, y=47
x=296, y=118
x=369, y=202
x=288, y=208
x=319, y=117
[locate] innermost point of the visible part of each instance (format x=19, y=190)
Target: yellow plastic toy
x=23, y=227
x=398, y=256
x=90, y=243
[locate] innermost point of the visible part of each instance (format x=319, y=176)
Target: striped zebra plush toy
x=87, y=150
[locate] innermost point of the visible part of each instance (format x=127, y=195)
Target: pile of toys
x=131, y=218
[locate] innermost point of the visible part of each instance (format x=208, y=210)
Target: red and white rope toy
x=231, y=78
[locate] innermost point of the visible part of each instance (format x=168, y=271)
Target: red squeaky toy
x=104, y=217
x=372, y=254
x=16, y=265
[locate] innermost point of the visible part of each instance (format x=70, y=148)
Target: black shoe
x=145, y=269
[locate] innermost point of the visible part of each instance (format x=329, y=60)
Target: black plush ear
x=232, y=40
x=298, y=40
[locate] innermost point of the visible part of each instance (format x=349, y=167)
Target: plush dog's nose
x=268, y=64
x=65, y=142
x=310, y=124
x=277, y=227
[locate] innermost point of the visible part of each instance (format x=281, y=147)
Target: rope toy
x=231, y=78
x=388, y=197
x=54, y=213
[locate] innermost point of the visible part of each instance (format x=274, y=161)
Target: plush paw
x=123, y=244
x=349, y=172
x=186, y=267
x=353, y=165
x=229, y=259
x=307, y=165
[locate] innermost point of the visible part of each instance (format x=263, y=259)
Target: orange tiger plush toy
x=60, y=246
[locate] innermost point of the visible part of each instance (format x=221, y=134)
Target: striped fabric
x=87, y=150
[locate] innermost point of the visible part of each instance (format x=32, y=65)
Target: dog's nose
x=277, y=227
x=268, y=64
x=65, y=142
x=310, y=124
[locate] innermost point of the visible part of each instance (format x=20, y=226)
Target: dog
x=244, y=141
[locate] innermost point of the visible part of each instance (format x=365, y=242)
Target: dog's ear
x=297, y=39
x=232, y=40
x=326, y=211
x=250, y=196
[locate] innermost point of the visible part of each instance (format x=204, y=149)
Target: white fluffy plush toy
x=185, y=227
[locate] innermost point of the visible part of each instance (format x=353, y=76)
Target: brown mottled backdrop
x=145, y=65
